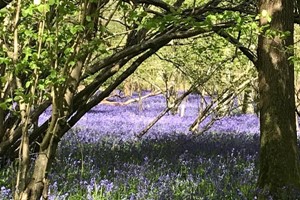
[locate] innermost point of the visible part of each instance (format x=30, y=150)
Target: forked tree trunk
x=38, y=185
x=279, y=157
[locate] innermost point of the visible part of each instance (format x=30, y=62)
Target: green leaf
x=28, y=11
x=24, y=13
x=3, y=106
x=51, y=2
x=73, y=30
x=33, y=65
x=41, y=86
x=53, y=74
x=3, y=10
x=211, y=19
x=4, y=60
x=43, y=8
x=72, y=63
x=88, y=18
x=28, y=83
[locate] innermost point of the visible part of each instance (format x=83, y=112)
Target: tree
x=279, y=158
x=50, y=49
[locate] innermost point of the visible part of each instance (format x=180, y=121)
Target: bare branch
x=133, y=100
x=165, y=111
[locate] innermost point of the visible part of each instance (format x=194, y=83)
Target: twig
x=176, y=103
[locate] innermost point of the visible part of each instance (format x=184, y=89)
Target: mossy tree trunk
x=279, y=158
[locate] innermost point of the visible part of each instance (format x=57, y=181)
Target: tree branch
x=98, y=98
x=157, y=3
x=129, y=101
x=151, y=44
x=246, y=51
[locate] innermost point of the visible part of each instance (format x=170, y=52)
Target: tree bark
x=279, y=157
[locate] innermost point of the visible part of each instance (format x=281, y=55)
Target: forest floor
x=101, y=157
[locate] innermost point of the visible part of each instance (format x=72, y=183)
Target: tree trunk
x=279, y=158
x=128, y=88
x=38, y=185
x=246, y=101
x=140, y=97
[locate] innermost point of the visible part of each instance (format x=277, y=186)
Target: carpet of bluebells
x=101, y=157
